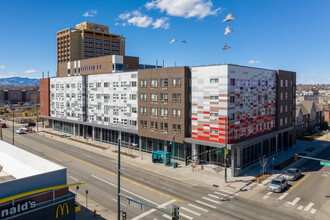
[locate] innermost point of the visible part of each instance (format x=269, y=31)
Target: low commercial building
x=32, y=187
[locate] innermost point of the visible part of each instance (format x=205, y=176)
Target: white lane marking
x=269, y=193
x=313, y=211
x=188, y=210
x=308, y=207
x=186, y=216
x=211, y=200
x=153, y=210
x=74, y=178
x=124, y=190
x=197, y=207
x=222, y=194
x=167, y=216
x=226, y=191
x=294, y=201
x=300, y=207
x=203, y=203
x=217, y=197
x=282, y=196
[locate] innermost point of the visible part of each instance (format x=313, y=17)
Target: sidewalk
x=195, y=177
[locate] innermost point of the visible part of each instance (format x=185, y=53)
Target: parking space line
x=282, y=196
x=267, y=195
x=167, y=216
x=313, y=211
x=300, y=207
x=193, y=212
x=308, y=207
x=197, y=207
x=297, y=184
x=211, y=200
x=203, y=203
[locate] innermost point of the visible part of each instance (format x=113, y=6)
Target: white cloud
x=140, y=21
x=90, y=13
x=2, y=67
x=254, y=61
x=30, y=71
x=12, y=72
x=124, y=16
x=161, y=23
x=184, y=8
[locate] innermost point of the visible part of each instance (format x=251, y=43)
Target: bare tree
x=263, y=162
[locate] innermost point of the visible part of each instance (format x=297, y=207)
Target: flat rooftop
x=4, y=176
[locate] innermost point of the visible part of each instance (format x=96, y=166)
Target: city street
x=99, y=174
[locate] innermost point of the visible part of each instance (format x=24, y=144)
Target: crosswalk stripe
x=313, y=211
x=197, y=207
x=300, y=207
x=211, y=200
x=186, y=216
x=167, y=216
x=203, y=203
x=223, y=194
x=226, y=191
x=282, y=196
x=191, y=211
x=308, y=207
x=294, y=201
x=217, y=197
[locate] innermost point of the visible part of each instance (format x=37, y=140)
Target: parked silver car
x=277, y=185
x=292, y=174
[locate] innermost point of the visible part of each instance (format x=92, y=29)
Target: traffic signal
x=296, y=157
x=187, y=161
x=175, y=212
x=124, y=216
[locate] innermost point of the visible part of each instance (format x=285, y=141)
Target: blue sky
x=291, y=35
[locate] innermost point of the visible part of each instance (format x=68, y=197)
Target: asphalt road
x=99, y=174
x=308, y=196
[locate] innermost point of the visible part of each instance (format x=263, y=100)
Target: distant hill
x=18, y=81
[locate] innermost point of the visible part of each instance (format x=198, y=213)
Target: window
x=163, y=112
x=98, y=85
x=259, y=97
x=281, y=96
x=174, y=82
x=91, y=85
x=67, y=86
x=153, y=83
x=106, y=96
x=164, y=83
x=98, y=96
x=115, y=84
x=176, y=128
x=106, y=119
x=133, y=122
x=123, y=96
x=143, y=97
x=266, y=83
x=174, y=113
x=143, y=124
x=286, y=96
x=115, y=120
x=133, y=84
x=281, y=82
x=214, y=97
x=106, y=108
x=153, y=111
x=178, y=113
x=178, y=97
x=106, y=84
x=143, y=83
x=232, y=116
x=281, y=109
x=286, y=108
x=143, y=110
x=91, y=95
x=285, y=121
x=133, y=109
x=98, y=107
x=153, y=126
x=232, y=82
x=123, y=84
x=214, y=132
x=132, y=96
x=214, y=80
x=115, y=96
x=124, y=121
x=164, y=97
x=164, y=127
x=153, y=97
x=281, y=122
x=266, y=97
x=232, y=99
x=214, y=114
x=173, y=97
x=286, y=83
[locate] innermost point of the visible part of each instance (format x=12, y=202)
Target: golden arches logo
x=61, y=207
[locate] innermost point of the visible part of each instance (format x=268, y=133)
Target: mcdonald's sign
x=62, y=207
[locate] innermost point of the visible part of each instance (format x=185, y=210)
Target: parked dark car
x=4, y=125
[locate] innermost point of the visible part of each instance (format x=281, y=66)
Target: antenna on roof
x=174, y=63
x=156, y=64
x=48, y=74
x=42, y=74
x=163, y=63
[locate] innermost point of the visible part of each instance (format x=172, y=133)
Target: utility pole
x=13, y=126
x=118, y=184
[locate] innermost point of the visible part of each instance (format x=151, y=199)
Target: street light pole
x=118, y=184
x=13, y=127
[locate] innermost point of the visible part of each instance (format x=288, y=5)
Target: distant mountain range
x=18, y=81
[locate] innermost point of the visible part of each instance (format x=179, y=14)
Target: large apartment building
x=197, y=108
x=87, y=40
